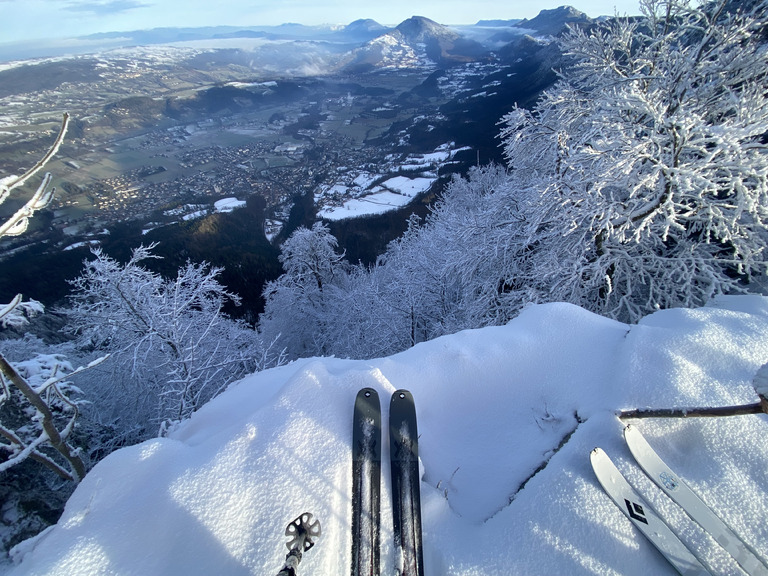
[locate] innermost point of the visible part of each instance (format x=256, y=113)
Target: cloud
x=107, y=7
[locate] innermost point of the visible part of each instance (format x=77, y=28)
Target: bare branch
x=699, y=412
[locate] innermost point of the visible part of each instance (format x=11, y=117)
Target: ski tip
x=367, y=393
x=635, y=440
x=597, y=455
x=402, y=395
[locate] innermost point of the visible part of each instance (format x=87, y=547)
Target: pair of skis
x=653, y=526
x=366, y=481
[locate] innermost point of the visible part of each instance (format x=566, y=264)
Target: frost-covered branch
x=41, y=399
x=18, y=223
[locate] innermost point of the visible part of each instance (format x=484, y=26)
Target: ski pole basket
x=302, y=533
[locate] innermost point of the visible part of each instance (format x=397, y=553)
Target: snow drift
x=507, y=417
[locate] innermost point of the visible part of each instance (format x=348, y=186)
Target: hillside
x=507, y=418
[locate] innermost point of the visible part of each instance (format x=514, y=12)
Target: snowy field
x=228, y=204
x=493, y=406
x=392, y=194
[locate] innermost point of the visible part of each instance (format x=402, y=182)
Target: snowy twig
x=24, y=451
x=17, y=224
x=699, y=412
x=759, y=382
x=56, y=380
x=58, y=440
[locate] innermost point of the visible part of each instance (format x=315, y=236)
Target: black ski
x=366, y=481
x=406, y=494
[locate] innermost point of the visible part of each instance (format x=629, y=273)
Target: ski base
x=700, y=512
x=640, y=513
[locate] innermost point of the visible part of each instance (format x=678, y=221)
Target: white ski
x=643, y=517
x=700, y=512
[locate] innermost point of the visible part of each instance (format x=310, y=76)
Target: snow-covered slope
x=493, y=406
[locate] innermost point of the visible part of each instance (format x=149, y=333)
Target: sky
x=34, y=19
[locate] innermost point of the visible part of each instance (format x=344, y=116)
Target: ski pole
x=302, y=532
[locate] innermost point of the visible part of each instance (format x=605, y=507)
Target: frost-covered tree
x=384, y=309
x=300, y=304
x=459, y=268
x=419, y=296
x=475, y=231
x=645, y=169
x=451, y=272
x=172, y=349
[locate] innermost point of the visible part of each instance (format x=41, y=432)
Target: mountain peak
x=416, y=42
x=553, y=21
x=563, y=11
x=420, y=29
x=364, y=24
x=362, y=30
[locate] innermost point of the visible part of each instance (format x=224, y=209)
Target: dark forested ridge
x=234, y=241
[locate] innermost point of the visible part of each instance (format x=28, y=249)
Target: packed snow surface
x=507, y=418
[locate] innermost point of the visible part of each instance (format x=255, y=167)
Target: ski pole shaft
x=292, y=560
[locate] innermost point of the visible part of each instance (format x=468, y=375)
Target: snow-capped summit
x=419, y=29
x=416, y=42
x=552, y=22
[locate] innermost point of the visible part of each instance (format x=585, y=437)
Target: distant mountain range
x=362, y=45
x=414, y=29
